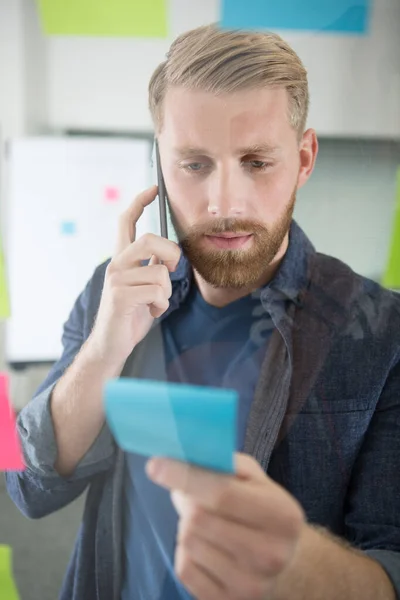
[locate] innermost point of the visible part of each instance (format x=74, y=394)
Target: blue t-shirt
x=204, y=345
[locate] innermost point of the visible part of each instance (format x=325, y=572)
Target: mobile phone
x=162, y=195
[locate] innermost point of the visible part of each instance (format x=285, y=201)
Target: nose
x=227, y=192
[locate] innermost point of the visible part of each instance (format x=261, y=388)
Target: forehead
x=197, y=117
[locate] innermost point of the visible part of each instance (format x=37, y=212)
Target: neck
x=221, y=297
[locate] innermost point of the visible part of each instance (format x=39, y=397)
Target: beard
x=235, y=269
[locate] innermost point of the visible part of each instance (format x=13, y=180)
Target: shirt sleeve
x=372, y=516
x=40, y=489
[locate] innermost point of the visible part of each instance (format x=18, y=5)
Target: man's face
x=232, y=167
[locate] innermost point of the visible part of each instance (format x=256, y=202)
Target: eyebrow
x=262, y=148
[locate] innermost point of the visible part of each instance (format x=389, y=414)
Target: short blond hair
x=222, y=61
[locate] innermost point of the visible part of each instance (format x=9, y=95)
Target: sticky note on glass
x=391, y=277
x=112, y=194
x=8, y=589
x=10, y=449
x=4, y=297
x=341, y=16
x=68, y=228
x=190, y=423
x=104, y=17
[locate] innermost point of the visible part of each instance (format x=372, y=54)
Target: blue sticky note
x=190, y=423
x=68, y=228
x=344, y=16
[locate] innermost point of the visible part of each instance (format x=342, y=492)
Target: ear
x=308, y=150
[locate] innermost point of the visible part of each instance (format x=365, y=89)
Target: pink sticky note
x=112, y=194
x=10, y=448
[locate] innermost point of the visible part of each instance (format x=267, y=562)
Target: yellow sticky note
x=8, y=589
x=4, y=299
x=113, y=18
x=391, y=278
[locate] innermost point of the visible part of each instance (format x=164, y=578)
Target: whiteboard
x=65, y=197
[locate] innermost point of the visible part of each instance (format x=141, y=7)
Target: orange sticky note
x=10, y=448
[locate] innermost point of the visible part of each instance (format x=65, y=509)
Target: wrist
x=97, y=358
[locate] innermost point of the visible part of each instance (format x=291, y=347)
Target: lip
x=229, y=241
x=230, y=235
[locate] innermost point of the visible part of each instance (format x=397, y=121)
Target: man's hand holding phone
x=133, y=295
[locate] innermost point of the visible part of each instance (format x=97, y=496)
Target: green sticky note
x=116, y=18
x=391, y=278
x=4, y=299
x=8, y=590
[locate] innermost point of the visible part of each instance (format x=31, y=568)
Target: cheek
x=273, y=195
x=282, y=184
x=187, y=197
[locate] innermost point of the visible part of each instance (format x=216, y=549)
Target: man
x=244, y=301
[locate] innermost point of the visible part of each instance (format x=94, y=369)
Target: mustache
x=226, y=225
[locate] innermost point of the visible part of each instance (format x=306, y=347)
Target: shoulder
x=337, y=278
x=336, y=290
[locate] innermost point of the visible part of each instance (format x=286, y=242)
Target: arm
x=40, y=490
x=77, y=407
x=326, y=567
x=368, y=566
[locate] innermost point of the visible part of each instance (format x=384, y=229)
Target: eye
x=258, y=165
x=195, y=166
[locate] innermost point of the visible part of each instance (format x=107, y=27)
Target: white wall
x=11, y=99
x=354, y=80
x=23, y=110
x=347, y=206
x=101, y=83
x=11, y=68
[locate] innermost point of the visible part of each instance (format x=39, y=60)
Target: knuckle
x=111, y=268
x=116, y=298
x=295, y=520
x=184, y=569
x=162, y=273
x=197, y=519
x=113, y=278
x=147, y=240
x=186, y=537
x=159, y=295
x=223, y=497
x=255, y=590
x=247, y=587
x=122, y=217
x=276, y=559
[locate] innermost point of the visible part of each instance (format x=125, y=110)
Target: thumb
x=247, y=468
x=153, y=260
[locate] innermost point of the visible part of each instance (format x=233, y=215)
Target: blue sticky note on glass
x=194, y=424
x=68, y=228
x=344, y=16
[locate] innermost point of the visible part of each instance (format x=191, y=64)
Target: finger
x=233, y=578
x=200, y=583
x=129, y=218
x=257, y=551
x=153, y=274
x=145, y=248
x=246, y=467
x=154, y=260
x=151, y=295
x=271, y=506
